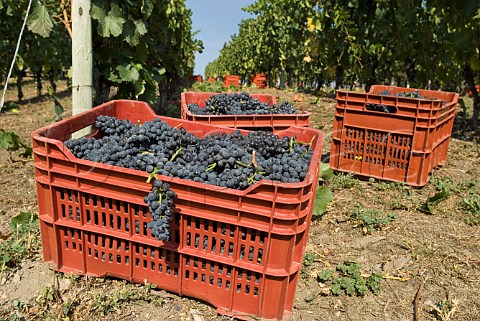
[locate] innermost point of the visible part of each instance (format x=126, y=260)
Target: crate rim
x=370, y=93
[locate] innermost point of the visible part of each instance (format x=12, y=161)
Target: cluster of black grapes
x=408, y=94
x=227, y=160
x=160, y=203
x=381, y=108
x=239, y=104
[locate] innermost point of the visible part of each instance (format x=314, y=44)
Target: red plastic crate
x=241, y=251
x=231, y=80
x=404, y=146
x=265, y=121
x=260, y=80
x=196, y=78
x=469, y=92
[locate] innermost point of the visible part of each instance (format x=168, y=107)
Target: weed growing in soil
x=385, y=186
x=308, y=259
x=433, y=200
x=21, y=243
x=472, y=206
x=53, y=307
x=18, y=309
x=343, y=181
x=12, y=143
x=346, y=278
x=105, y=303
x=370, y=220
x=444, y=310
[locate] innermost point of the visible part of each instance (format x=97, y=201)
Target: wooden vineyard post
x=82, y=59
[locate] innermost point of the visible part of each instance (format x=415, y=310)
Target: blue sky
x=217, y=20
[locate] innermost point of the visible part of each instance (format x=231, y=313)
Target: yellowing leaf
x=310, y=25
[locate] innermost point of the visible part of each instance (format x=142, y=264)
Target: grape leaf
x=110, y=24
x=98, y=12
x=434, y=200
x=20, y=62
x=59, y=110
x=157, y=73
x=114, y=21
x=128, y=73
x=9, y=141
x=325, y=171
x=322, y=198
x=27, y=152
x=130, y=34
x=39, y=20
x=22, y=218
x=140, y=27
x=133, y=30
x=114, y=78
x=139, y=88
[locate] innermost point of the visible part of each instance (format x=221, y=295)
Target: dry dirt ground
x=436, y=255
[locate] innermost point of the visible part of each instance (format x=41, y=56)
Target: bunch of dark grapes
x=408, y=94
x=227, y=160
x=381, y=108
x=160, y=203
x=239, y=104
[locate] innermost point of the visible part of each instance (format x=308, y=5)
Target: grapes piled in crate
x=227, y=160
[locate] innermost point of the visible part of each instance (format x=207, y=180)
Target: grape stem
x=210, y=167
x=176, y=154
x=153, y=175
x=243, y=164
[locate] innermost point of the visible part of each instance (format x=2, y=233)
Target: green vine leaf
x=22, y=219
x=57, y=106
x=432, y=201
x=322, y=198
x=110, y=24
x=98, y=12
x=128, y=73
x=39, y=20
x=141, y=29
x=139, y=88
x=114, y=21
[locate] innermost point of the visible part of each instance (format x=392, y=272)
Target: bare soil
x=437, y=253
